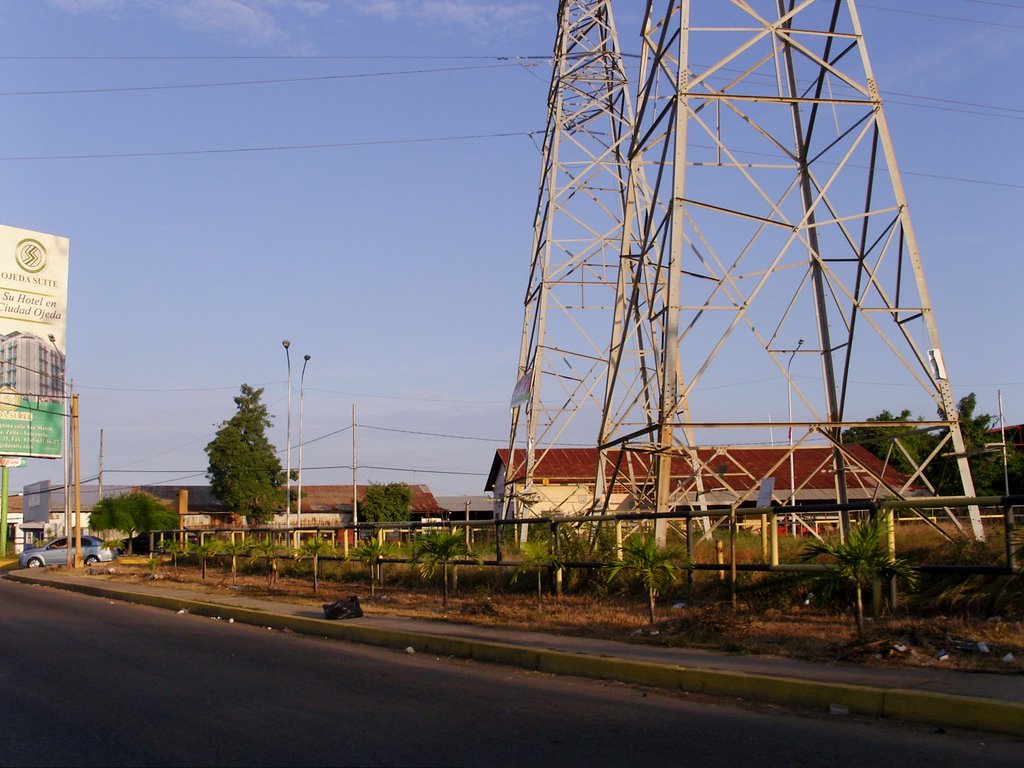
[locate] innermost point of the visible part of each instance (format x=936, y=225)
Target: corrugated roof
x=728, y=467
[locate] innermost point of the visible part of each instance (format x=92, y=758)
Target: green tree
x=132, y=513
x=234, y=549
x=436, y=550
x=535, y=557
x=893, y=444
x=856, y=563
x=369, y=553
x=386, y=503
x=270, y=551
x=204, y=550
x=175, y=549
x=244, y=470
x=654, y=566
x=315, y=548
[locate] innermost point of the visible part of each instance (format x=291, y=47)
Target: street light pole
x=792, y=471
x=288, y=441
x=302, y=379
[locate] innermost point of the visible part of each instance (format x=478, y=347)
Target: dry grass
x=772, y=616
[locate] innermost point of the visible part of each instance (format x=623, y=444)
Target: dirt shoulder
x=987, y=644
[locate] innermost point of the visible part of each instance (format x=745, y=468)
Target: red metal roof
x=720, y=468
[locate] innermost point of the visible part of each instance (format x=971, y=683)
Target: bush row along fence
x=768, y=520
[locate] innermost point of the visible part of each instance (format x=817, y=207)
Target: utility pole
x=355, y=485
x=78, y=495
x=99, y=490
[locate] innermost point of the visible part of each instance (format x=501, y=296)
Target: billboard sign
x=33, y=311
x=523, y=390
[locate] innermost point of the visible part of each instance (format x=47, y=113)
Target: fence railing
x=770, y=521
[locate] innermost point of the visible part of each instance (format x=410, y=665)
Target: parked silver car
x=56, y=552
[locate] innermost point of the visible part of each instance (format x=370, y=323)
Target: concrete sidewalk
x=943, y=697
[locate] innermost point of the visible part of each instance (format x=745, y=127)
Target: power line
x=276, y=148
x=295, y=57
x=433, y=434
x=1016, y=6
x=958, y=19
x=273, y=81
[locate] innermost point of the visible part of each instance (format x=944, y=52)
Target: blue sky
x=359, y=178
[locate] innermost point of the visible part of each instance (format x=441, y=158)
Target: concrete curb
x=945, y=710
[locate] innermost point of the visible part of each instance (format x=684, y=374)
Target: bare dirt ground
x=703, y=620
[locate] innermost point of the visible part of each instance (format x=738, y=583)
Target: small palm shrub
x=855, y=563
x=655, y=567
x=369, y=553
x=437, y=550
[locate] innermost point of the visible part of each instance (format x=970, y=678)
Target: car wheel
x=91, y=560
x=34, y=562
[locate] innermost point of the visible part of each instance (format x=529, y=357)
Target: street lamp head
x=306, y=357
x=286, y=343
x=800, y=343
x=52, y=338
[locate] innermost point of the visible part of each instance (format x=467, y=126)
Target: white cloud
x=464, y=13
x=252, y=21
x=248, y=19
x=87, y=6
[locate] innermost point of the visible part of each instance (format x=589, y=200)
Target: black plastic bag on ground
x=343, y=609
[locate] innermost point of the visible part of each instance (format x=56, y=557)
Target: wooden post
x=773, y=532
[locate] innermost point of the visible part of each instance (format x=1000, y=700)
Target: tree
x=204, y=550
x=132, y=513
x=858, y=561
x=655, y=567
x=235, y=548
x=244, y=470
x=268, y=549
x=175, y=549
x=436, y=550
x=386, y=503
x=535, y=557
x=369, y=553
x=315, y=548
x=882, y=441
x=943, y=472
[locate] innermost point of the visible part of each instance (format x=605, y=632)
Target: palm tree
x=268, y=548
x=535, y=557
x=437, y=549
x=653, y=565
x=175, y=549
x=204, y=550
x=858, y=561
x=370, y=553
x=234, y=549
x=315, y=548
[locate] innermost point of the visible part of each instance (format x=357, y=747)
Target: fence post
x=555, y=549
x=1011, y=558
x=689, y=549
x=773, y=523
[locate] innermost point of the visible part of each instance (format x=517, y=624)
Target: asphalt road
x=88, y=681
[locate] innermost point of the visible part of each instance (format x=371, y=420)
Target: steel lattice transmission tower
x=578, y=229
x=767, y=244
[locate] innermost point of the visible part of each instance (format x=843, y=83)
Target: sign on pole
x=33, y=311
